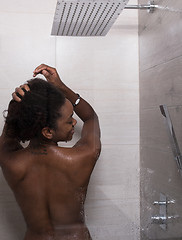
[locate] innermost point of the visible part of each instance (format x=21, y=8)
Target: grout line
x=160, y=64
x=154, y=107
x=55, y=57
x=156, y=149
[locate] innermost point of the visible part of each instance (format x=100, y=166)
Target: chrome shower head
x=86, y=17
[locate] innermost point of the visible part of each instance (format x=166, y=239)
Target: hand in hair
x=20, y=92
x=50, y=74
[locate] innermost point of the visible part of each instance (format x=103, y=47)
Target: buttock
x=39, y=236
x=73, y=232
x=64, y=232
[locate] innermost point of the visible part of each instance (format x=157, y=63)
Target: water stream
x=168, y=9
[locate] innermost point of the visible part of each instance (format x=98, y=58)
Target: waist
x=60, y=232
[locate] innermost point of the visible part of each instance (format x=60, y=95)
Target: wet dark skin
x=50, y=182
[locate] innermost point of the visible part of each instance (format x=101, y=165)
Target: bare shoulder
x=14, y=166
x=78, y=160
x=78, y=155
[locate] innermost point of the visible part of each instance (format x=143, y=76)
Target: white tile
x=113, y=219
x=120, y=191
x=25, y=43
x=93, y=68
x=99, y=62
x=122, y=210
x=33, y=6
x=116, y=174
x=119, y=128
x=123, y=100
x=114, y=233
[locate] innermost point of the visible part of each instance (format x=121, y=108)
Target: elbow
x=97, y=151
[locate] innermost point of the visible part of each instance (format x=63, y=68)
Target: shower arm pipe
x=142, y=7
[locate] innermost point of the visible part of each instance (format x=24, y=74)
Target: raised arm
x=90, y=135
x=7, y=143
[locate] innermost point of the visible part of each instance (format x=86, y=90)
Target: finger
x=46, y=73
x=19, y=91
x=42, y=67
x=39, y=68
x=37, y=71
x=15, y=97
x=34, y=75
x=25, y=87
x=43, y=72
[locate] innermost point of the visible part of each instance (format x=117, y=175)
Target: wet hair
x=38, y=108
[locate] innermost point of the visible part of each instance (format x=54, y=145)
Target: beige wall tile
x=116, y=219
x=98, y=63
x=160, y=39
x=25, y=44
x=33, y=6
x=117, y=166
x=161, y=85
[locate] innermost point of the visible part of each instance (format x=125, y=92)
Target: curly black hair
x=38, y=108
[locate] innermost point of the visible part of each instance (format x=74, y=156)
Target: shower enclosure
x=104, y=70
x=160, y=84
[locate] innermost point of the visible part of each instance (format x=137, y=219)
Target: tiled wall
x=160, y=83
x=104, y=70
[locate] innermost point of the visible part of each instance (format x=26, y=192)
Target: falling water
x=169, y=9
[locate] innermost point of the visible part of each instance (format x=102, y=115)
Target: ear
x=47, y=132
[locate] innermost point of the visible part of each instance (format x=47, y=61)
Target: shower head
x=86, y=17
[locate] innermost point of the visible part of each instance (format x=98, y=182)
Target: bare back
x=49, y=182
x=48, y=192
